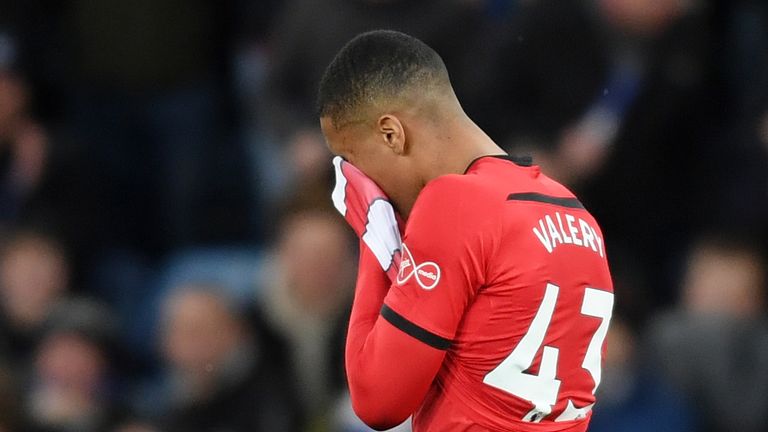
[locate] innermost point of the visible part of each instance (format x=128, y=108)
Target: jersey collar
x=524, y=161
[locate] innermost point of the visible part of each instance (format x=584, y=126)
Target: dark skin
x=404, y=143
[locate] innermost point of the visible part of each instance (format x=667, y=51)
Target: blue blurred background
x=169, y=260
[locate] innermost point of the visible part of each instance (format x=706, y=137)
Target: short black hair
x=373, y=66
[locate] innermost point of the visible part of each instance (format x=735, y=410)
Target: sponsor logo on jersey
x=426, y=274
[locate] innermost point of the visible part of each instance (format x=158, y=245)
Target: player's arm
x=389, y=371
x=399, y=333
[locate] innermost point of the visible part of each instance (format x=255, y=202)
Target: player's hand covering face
x=382, y=396
x=369, y=212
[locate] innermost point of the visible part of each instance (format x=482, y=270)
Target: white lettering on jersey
x=550, y=234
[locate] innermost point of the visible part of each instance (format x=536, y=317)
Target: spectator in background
x=221, y=377
x=611, y=96
x=725, y=278
x=306, y=295
x=34, y=274
x=634, y=397
x=307, y=159
x=42, y=181
x=70, y=386
x=23, y=142
x=715, y=345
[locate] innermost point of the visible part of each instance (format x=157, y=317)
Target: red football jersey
x=505, y=269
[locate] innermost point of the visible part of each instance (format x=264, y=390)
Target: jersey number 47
x=542, y=389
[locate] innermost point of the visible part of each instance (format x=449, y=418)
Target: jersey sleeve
x=388, y=372
x=444, y=252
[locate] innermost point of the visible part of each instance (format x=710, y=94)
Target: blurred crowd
x=169, y=260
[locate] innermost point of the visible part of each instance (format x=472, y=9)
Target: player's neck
x=461, y=142
x=451, y=145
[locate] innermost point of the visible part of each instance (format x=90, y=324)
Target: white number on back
x=542, y=389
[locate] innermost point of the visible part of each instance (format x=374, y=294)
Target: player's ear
x=392, y=133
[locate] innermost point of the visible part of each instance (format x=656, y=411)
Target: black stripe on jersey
x=523, y=161
x=547, y=199
x=413, y=330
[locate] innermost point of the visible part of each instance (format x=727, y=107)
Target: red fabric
x=377, y=225
x=475, y=269
x=389, y=372
x=385, y=386
x=359, y=193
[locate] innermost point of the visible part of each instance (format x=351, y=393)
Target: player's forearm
x=389, y=372
x=374, y=386
x=371, y=288
x=366, y=374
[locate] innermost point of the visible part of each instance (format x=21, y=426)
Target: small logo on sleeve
x=427, y=274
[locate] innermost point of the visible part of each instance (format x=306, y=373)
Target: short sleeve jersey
x=505, y=269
